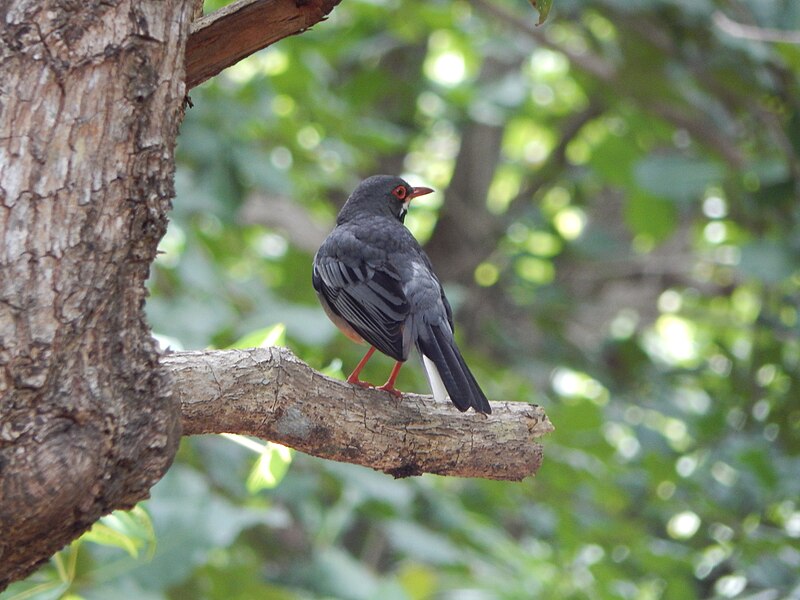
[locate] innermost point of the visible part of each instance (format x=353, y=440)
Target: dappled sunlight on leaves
x=632, y=266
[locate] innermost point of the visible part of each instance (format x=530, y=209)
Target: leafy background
x=617, y=227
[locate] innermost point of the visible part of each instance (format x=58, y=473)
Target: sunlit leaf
x=270, y=468
x=333, y=369
x=31, y=589
x=418, y=580
x=106, y=536
x=543, y=6
x=651, y=216
x=130, y=530
x=275, y=335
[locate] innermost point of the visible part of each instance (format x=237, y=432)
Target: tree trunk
x=90, y=98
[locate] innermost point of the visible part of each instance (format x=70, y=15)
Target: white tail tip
x=435, y=380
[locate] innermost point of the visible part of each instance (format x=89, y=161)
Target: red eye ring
x=400, y=192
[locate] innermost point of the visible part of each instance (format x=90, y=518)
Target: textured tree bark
x=90, y=99
x=271, y=394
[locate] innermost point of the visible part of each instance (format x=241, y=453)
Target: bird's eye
x=400, y=191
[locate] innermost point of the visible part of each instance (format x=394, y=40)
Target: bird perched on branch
x=378, y=286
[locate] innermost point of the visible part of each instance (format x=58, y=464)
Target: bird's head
x=381, y=195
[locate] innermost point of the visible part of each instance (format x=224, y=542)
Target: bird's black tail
x=438, y=347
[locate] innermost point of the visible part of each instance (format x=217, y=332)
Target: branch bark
x=271, y=394
x=228, y=35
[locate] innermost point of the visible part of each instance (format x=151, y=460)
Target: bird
x=378, y=286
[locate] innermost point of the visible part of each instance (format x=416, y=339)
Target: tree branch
x=751, y=32
x=270, y=393
x=241, y=28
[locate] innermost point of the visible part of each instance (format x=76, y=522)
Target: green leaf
x=129, y=530
x=275, y=335
x=768, y=261
x=677, y=178
x=650, y=216
x=614, y=158
x=543, y=6
x=424, y=544
x=106, y=536
x=32, y=589
x=270, y=468
x=336, y=570
x=334, y=369
x=191, y=519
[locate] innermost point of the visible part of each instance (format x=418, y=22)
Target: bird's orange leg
x=353, y=377
x=389, y=385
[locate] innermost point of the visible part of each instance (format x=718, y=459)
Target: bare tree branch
x=228, y=35
x=270, y=393
x=751, y=32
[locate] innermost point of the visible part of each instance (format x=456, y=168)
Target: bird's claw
x=368, y=386
x=391, y=389
x=362, y=384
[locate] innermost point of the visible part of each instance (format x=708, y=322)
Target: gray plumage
x=377, y=284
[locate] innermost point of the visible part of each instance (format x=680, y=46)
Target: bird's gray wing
x=369, y=296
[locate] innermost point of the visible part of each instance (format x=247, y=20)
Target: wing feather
x=370, y=298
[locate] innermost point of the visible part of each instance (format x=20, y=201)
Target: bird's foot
x=389, y=385
x=391, y=389
x=356, y=381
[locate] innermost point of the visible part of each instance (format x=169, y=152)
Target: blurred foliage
x=637, y=275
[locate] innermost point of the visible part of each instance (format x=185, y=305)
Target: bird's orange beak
x=419, y=191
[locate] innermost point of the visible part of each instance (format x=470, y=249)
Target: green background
x=616, y=225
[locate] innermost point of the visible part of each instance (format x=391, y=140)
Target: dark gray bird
x=378, y=286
